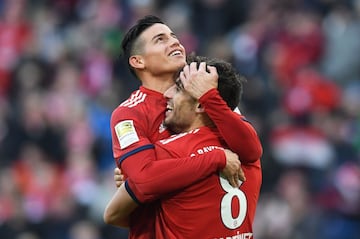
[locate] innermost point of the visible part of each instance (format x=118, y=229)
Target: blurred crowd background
x=61, y=75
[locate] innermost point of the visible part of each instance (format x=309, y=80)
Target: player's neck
x=158, y=83
x=206, y=121
x=201, y=121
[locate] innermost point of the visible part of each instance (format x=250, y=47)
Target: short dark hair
x=133, y=34
x=230, y=83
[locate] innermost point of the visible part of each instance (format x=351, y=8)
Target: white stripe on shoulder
x=135, y=99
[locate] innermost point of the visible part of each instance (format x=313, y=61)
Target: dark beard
x=175, y=128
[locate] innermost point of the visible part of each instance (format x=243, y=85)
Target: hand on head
x=199, y=80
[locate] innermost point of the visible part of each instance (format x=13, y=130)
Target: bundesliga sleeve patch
x=126, y=133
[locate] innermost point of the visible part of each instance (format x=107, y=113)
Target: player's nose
x=174, y=41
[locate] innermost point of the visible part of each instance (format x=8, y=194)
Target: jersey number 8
x=226, y=205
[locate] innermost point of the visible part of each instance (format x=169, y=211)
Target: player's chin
x=168, y=115
x=169, y=120
x=179, y=61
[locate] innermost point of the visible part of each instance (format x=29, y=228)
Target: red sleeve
x=238, y=133
x=149, y=179
x=137, y=161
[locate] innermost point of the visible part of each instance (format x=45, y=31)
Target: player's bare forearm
x=119, y=208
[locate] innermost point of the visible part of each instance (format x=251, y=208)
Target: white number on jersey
x=226, y=205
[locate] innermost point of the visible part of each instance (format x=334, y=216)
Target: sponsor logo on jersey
x=126, y=133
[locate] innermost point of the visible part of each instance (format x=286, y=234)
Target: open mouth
x=176, y=53
x=169, y=109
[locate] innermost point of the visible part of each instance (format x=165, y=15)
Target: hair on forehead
x=130, y=40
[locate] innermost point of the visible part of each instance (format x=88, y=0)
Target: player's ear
x=199, y=108
x=136, y=62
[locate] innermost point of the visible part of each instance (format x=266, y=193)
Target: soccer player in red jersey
x=210, y=208
x=155, y=56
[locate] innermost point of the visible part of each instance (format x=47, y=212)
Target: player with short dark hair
x=155, y=55
x=204, y=209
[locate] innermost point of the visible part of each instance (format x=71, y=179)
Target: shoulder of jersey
x=136, y=98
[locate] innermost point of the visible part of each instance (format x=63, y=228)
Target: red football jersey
x=239, y=135
x=135, y=125
x=138, y=121
x=210, y=208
